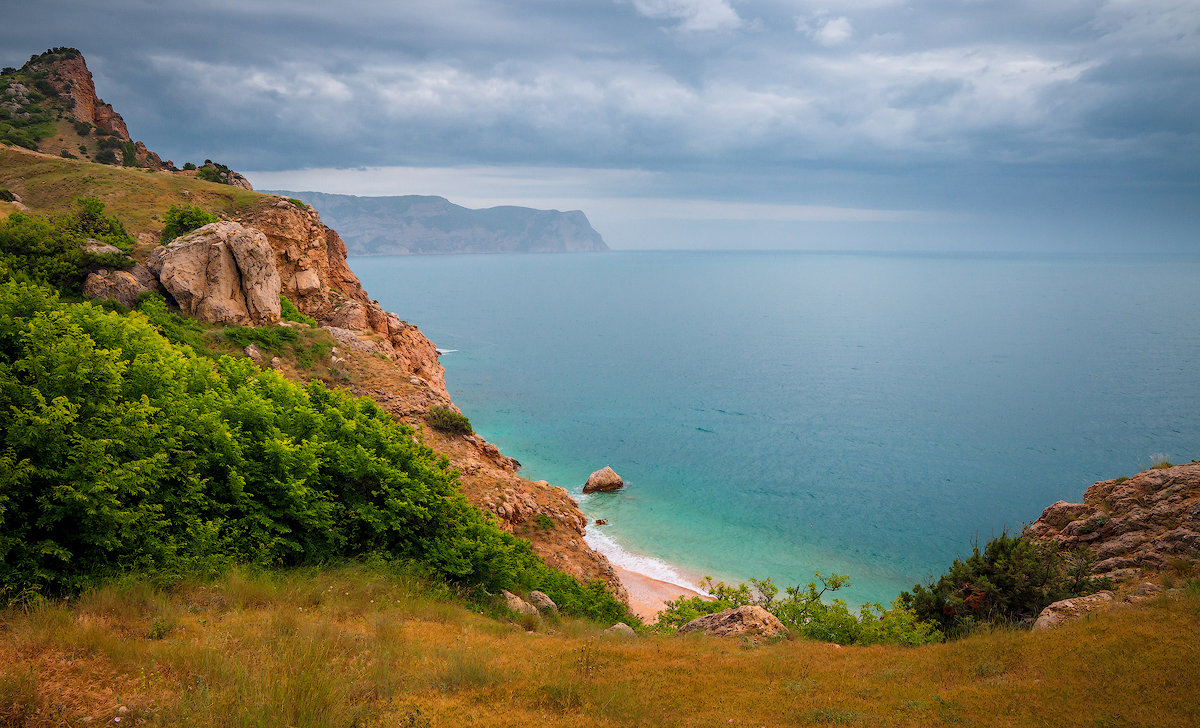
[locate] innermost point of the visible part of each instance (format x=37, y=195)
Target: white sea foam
x=648, y=565
x=446, y=351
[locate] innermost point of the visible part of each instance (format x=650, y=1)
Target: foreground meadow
x=370, y=646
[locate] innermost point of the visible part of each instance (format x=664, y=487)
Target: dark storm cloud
x=831, y=102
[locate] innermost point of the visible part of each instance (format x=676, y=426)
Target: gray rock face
x=603, y=480
x=1067, y=610
x=222, y=273
x=749, y=621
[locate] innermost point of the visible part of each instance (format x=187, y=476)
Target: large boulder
x=122, y=286
x=749, y=621
x=1068, y=610
x=543, y=602
x=603, y=480
x=223, y=272
x=517, y=604
x=620, y=629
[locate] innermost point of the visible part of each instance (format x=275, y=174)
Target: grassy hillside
x=140, y=196
x=372, y=646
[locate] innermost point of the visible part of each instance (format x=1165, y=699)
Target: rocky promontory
x=1148, y=522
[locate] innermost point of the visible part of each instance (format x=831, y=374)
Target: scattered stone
x=275, y=363
x=255, y=353
x=620, y=629
x=95, y=247
x=604, y=479
x=517, y=604
x=1144, y=592
x=543, y=602
x=1068, y=610
x=748, y=621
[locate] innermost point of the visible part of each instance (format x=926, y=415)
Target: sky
x=968, y=125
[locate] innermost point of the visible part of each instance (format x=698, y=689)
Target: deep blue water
x=780, y=413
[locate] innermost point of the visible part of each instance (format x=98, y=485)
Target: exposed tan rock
x=604, y=479
x=223, y=272
x=1067, y=610
x=745, y=621
x=620, y=629
x=1144, y=522
x=543, y=602
x=118, y=285
x=517, y=604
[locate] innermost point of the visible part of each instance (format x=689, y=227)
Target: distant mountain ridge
x=423, y=225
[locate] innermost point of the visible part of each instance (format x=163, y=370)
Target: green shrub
x=544, y=522
x=270, y=339
x=106, y=156
x=1009, y=582
x=82, y=128
x=128, y=155
x=208, y=174
x=297, y=203
x=445, y=419
x=6, y=195
x=289, y=312
x=179, y=220
x=189, y=166
x=51, y=251
x=803, y=611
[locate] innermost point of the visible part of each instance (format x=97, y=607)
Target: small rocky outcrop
x=518, y=605
x=1148, y=521
x=603, y=480
x=1068, y=610
x=543, y=602
x=223, y=272
x=745, y=621
x=620, y=629
x=122, y=286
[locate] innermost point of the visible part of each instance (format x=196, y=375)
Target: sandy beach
x=647, y=595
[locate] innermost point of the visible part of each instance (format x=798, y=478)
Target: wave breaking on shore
x=639, y=563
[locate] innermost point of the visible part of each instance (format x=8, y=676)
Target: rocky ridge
x=1148, y=522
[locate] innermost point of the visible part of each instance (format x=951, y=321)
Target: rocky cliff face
x=1148, y=522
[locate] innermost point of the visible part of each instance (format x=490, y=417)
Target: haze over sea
x=779, y=413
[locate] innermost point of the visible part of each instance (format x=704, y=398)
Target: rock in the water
x=223, y=273
x=1068, y=610
x=620, y=629
x=517, y=604
x=543, y=602
x=749, y=620
x=602, y=480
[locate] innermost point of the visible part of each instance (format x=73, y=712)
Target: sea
x=779, y=414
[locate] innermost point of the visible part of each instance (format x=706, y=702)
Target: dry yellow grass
x=362, y=646
x=48, y=183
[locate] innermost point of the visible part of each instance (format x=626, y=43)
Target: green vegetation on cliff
x=124, y=452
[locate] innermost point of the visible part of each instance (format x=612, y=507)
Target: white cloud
x=694, y=15
x=825, y=30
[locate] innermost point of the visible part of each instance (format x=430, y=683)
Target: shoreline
x=650, y=581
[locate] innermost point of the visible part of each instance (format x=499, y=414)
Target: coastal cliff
x=425, y=225
x=1129, y=526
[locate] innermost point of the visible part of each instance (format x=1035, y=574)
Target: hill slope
x=417, y=224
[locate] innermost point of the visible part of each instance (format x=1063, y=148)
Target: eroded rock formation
x=1149, y=521
x=223, y=272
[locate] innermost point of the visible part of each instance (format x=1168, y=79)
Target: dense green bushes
x=1009, y=582
x=121, y=451
x=52, y=250
x=178, y=220
x=803, y=612
x=445, y=419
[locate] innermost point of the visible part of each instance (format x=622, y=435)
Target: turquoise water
x=780, y=413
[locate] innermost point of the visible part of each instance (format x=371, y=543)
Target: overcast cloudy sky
x=858, y=124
